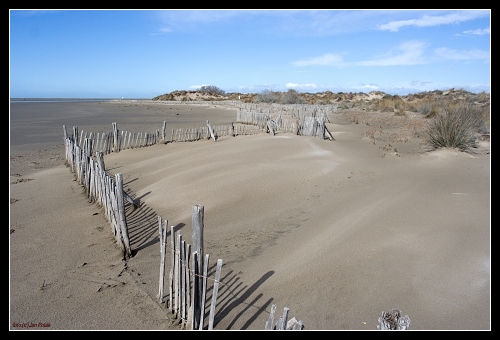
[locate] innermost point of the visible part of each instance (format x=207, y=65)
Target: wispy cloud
x=279, y=22
x=328, y=59
x=163, y=30
x=420, y=83
x=475, y=32
x=302, y=86
x=189, y=20
x=434, y=20
x=407, y=53
x=366, y=87
x=326, y=22
x=450, y=54
x=196, y=87
x=182, y=17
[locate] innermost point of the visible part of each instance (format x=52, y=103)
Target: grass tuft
x=456, y=126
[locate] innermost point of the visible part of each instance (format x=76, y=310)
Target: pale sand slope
x=332, y=230
x=338, y=231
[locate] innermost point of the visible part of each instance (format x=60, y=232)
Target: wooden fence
x=188, y=279
x=207, y=132
x=303, y=120
x=115, y=140
x=187, y=284
x=188, y=273
x=302, y=125
x=99, y=186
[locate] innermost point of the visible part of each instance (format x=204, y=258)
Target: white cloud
x=182, y=17
x=328, y=59
x=369, y=87
x=164, y=30
x=277, y=22
x=196, y=87
x=434, y=20
x=304, y=86
x=408, y=53
x=449, y=54
x=476, y=32
x=419, y=83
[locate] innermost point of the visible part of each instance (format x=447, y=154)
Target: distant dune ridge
x=328, y=97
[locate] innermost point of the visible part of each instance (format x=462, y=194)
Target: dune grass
x=456, y=126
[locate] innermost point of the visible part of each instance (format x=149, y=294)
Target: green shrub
x=455, y=126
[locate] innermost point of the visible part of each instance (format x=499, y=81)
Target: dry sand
x=337, y=231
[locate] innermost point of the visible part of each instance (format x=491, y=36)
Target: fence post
x=163, y=238
x=75, y=134
x=121, y=214
x=198, y=213
x=270, y=320
x=214, y=295
x=116, y=145
x=211, y=131
x=203, y=291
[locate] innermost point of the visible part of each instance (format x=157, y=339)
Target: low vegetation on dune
x=456, y=126
x=450, y=119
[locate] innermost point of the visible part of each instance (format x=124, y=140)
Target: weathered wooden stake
x=214, y=295
x=270, y=320
x=198, y=212
x=163, y=237
x=211, y=131
x=121, y=214
x=204, y=291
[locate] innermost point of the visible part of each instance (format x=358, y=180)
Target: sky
x=147, y=53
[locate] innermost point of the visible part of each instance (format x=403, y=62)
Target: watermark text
x=30, y=325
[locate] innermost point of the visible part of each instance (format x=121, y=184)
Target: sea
x=69, y=100
x=37, y=122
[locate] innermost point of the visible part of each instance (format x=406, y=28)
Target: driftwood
x=329, y=134
x=393, y=320
x=130, y=199
x=283, y=323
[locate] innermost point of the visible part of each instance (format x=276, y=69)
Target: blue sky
x=146, y=53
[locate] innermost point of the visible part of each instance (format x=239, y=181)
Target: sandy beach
x=336, y=230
